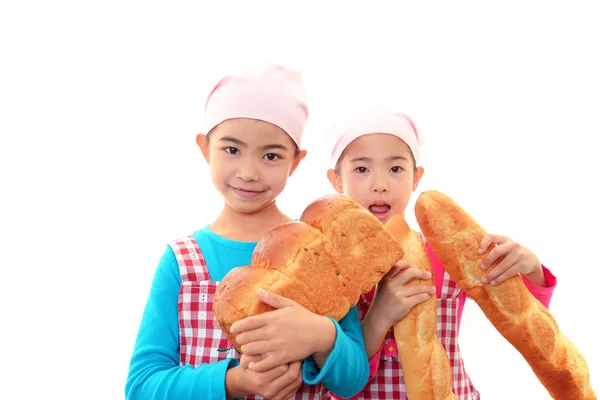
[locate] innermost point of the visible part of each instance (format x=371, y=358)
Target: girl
x=375, y=157
x=255, y=125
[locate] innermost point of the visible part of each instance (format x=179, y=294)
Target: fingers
x=291, y=389
x=254, y=335
x=411, y=273
x=507, y=274
x=489, y=239
x=257, y=348
x=507, y=268
x=412, y=301
x=246, y=359
x=258, y=321
x=286, y=385
x=396, y=268
x=412, y=290
x=495, y=254
x=273, y=374
x=274, y=300
x=268, y=362
x=249, y=323
x=509, y=260
x=390, y=274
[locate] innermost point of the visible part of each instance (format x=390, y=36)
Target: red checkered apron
x=200, y=338
x=388, y=383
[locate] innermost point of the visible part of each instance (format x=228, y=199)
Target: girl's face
x=250, y=162
x=378, y=171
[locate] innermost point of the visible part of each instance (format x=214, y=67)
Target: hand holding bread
x=287, y=334
x=401, y=289
x=513, y=259
x=455, y=237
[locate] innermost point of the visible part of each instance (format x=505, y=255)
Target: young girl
x=255, y=125
x=375, y=156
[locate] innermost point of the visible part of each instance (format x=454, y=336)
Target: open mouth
x=379, y=207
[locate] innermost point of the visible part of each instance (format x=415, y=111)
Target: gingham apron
x=200, y=338
x=388, y=383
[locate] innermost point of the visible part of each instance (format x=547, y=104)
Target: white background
x=100, y=103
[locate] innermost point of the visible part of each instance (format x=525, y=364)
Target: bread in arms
x=455, y=238
x=426, y=367
x=336, y=251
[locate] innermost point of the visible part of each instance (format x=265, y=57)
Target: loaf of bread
x=364, y=246
x=425, y=364
x=337, y=251
x=519, y=317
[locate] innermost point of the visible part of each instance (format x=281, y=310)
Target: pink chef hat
x=374, y=120
x=270, y=93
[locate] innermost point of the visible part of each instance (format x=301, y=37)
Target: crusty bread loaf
x=425, y=363
x=365, y=248
x=302, y=254
x=455, y=237
x=324, y=262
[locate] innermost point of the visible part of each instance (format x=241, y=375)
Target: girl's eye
x=396, y=169
x=232, y=150
x=271, y=157
x=361, y=170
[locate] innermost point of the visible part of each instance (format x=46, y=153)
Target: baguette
x=519, y=317
x=426, y=367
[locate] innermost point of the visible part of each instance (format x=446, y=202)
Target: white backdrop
x=100, y=103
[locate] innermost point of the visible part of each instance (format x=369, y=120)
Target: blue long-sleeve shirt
x=155, y=372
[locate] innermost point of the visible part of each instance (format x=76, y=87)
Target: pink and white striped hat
x=376, y=119
x=270, y=93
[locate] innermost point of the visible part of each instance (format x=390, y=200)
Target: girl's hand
x=279, y=383
x=288, y=334
x=395, y=297
x=513, y=259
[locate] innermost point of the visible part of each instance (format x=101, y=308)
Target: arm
x=541, y=283
x=374, y=329
x=154, y=371
x=347, y=350
x=374, y=354
x=374, y=364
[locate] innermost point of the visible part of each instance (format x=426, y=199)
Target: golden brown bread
x=455, y=237
x=426, y=367
x=324, y=262
x=302, y=254
x=367, y=251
